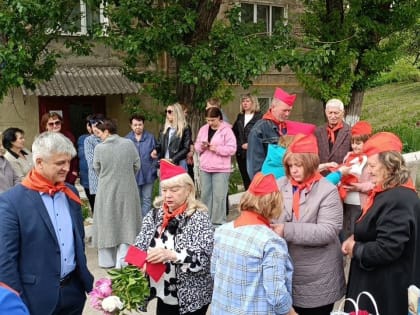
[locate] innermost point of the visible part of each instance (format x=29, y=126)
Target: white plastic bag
x=341, y=311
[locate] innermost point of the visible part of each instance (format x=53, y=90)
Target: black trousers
x=321, y=310
x=165, y=309
x=71, y=298
x=242, y=169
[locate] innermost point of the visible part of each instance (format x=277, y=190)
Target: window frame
x=270, y=13
x=103, y=20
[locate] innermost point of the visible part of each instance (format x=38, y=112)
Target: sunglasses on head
x=95, y=121
x=56, y=123
x=168, y=111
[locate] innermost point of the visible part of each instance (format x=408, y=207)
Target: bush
x=235, y=180
x=86, y=213
x=409, y=133
x=402, y=71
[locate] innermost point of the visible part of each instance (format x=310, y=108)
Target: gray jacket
x=318, y=277
x=117, y=216
x=8, y=177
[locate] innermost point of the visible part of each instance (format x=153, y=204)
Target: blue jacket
x=30, y=253
x=262, y=134
x=147, y=173
x=11, y=303
x=83, y=166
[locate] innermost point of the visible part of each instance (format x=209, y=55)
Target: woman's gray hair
x=396, y=170
x=49, y=143
x=182, y=180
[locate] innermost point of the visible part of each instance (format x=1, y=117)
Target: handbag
x=357, y=311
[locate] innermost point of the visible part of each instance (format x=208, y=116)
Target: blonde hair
x=269, y=206
x=395, y=168
x=254, y=100
x=179, y=122
x=285, y=140
x=182, y=180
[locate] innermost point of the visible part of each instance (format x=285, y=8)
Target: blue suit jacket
x=30, y=254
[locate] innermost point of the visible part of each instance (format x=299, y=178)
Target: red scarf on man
x=36, y=181
x=376, y=190
x=301, y=186
x=250, y=218
x=331, y=131
x=281, y=124
x=168, y=216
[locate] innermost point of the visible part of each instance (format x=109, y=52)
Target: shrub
x=402, y=71
x=409, y=133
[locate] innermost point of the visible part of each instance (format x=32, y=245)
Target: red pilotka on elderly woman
x=384, y=246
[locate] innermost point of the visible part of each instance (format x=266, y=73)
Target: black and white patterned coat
x=194, y=236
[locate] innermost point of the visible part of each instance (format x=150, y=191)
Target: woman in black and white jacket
x=179, y=233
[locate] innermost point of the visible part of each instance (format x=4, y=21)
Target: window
x=263, y=13
x=86, y=17
x=264, y=103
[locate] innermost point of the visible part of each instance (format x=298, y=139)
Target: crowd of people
x=316, y=199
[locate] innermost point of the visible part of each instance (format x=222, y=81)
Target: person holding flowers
x=178, y=233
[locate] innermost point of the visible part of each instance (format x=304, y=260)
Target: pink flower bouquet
x=126, y=289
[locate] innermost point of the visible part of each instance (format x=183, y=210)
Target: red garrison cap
x=361, y=128
x=382, y=142
x=169, y=169
x=295, y=127
x=304, y=144
x=263, y=184
x=283, y=96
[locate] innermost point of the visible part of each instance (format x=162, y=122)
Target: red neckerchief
x=168, y=216
x=281, y=124
x=348, y=179
x=250, y=218
x=36, y=181
x=300, y=186
x=376, y=190
x=331, y=131
x=351, y=156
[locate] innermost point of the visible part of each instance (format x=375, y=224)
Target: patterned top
x=90, y=144
x=188, y=279
x=252, y=271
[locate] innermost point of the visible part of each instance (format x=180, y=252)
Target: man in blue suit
x=42, y=251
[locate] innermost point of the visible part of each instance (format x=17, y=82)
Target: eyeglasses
x=168, y=111
x=56, y=123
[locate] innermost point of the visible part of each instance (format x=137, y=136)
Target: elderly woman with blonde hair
x=178, y=233
x=384, y=246
x=251, y=266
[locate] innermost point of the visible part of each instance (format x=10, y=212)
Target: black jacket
x=386, y=255
x=178, y=147
x=241, y=132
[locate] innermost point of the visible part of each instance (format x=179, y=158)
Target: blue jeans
x=214, y=188
x=145, y=193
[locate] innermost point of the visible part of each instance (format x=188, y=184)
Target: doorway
x=73, y=110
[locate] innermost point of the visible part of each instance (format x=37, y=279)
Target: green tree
x=347, y=44
x=180, y=52
x=26, y=30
